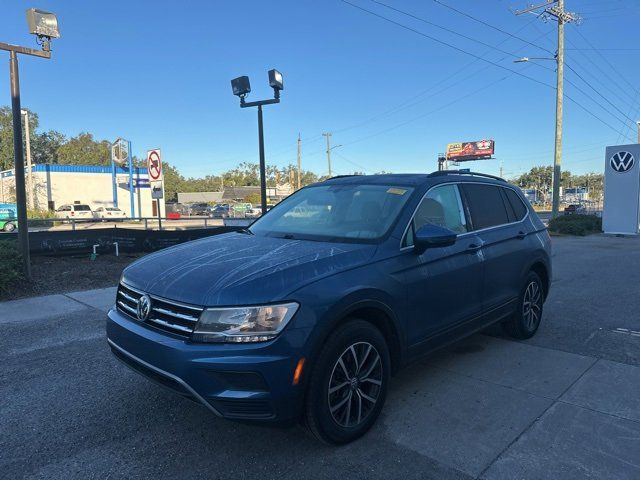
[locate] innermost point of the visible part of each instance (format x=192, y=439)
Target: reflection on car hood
x=237, y=268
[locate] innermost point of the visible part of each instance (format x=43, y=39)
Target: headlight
x=243, y=324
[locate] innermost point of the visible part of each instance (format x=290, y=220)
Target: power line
x=492, y=26
x=454, y=32
x=437, y=40
x=412, y=101
x=472, y=55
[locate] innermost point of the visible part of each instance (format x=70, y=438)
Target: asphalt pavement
x=565, y=404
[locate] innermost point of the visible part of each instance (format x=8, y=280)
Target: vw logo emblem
x=622, y=162
x=143, y=308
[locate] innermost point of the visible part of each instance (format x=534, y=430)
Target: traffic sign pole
x=154, y=167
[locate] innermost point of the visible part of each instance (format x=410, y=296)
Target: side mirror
x=433, y=236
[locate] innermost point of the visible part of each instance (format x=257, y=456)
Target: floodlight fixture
x=241, y=86
x=43, y=24
x=275, y=80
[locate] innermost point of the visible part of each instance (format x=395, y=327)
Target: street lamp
x=241, y=87
x=45, y=26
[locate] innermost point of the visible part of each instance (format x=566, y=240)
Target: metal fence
x=145, y=223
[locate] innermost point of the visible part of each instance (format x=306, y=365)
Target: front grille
x=173, y=317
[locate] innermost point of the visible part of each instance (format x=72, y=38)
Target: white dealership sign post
x=621, y=213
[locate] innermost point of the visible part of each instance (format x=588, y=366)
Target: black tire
x=9, y=227
x=323, y=415
x=525, y=321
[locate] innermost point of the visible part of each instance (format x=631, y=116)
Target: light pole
x=27, y=135
x=45, y=26
x=241, y=87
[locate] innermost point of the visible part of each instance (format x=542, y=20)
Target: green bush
x=36, y=218
x=576, y=224
x=10, y=265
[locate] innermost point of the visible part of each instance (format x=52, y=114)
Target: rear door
x=499, y=225
x=444, y=285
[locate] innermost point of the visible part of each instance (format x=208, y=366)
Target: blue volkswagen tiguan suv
x=306, y=314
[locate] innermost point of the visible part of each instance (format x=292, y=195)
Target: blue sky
x=158, y=73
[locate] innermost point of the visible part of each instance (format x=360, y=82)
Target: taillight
x=72, y=213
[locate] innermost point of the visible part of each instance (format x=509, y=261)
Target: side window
x=441, y=206
x=485, y=205
x=519, y=208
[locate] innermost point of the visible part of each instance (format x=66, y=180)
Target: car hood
x=240, y=269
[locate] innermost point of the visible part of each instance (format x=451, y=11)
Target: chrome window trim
x=461, y=235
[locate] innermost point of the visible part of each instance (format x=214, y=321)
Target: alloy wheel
x=355, y=384
x=532, y=306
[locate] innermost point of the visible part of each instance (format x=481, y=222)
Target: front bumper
x=251, y=382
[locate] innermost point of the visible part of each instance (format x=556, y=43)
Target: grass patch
x=10, y=266
x=580, y=225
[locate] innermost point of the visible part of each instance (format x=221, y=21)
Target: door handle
x=474, y=247
x=521, y=235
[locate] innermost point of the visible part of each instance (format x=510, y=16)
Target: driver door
x=443, y=284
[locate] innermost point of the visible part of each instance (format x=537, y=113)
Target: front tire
x=525, y=321
x=348, y=384
x=9, y=227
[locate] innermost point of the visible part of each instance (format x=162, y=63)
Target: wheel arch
x=374, y=311
x=541, y=269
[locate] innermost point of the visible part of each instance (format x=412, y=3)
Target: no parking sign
x=154, y=164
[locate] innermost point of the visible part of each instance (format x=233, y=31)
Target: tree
x=84, y=150
x=45, y=146
x=173, y=182
x=253, y=198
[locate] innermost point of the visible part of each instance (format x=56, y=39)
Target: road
x=562, y=405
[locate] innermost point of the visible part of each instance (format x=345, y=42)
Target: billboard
x=465, y=151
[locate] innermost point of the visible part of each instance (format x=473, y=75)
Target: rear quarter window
x=518, y=206
x=486, y=205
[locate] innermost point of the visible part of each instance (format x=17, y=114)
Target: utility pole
x=300, y=158
x=328, y=135
x=555, y=9
x=501, y=165
x=638, y=122
x=27, y=134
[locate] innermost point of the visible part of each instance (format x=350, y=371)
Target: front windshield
x=336, y=212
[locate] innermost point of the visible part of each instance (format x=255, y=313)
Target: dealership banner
x=465, y=151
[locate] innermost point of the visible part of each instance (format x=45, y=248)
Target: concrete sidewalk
x=47, y=306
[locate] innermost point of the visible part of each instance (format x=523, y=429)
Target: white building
x=57, y=185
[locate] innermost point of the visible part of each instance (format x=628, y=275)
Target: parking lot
x=565, y=404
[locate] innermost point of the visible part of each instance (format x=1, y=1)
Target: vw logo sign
x=622, y=162
x=143, y=308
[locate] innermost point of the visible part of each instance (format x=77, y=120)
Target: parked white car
x=75, y=210
x=109, y=213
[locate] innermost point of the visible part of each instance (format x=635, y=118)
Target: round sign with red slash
x=154, y=164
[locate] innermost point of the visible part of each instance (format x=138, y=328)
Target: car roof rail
x=440, y=173
x=344, y=176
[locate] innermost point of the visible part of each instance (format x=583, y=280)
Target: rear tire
x=525, y=321
x=9, y=227
x=348, y=384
